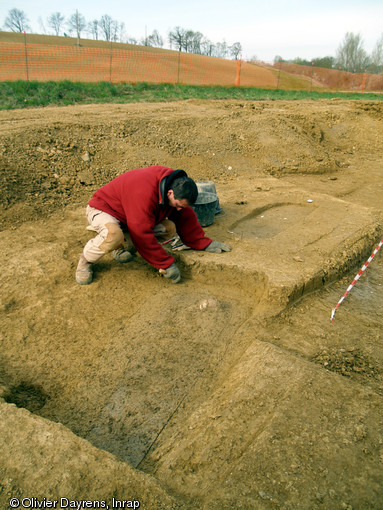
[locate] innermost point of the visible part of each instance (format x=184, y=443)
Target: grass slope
x=24, y=94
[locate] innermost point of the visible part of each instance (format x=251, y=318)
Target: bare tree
x=121, y=33
x=154, y=40
x=188, y=41
x=17, y=21
x=76, y=24
x=108, y=27
x=220, y=50
x=93, y=28
x=56, y=22
x=177, y=37
x=207, y=47
x=235, y=50
x=351, y=55
x=195, y=42
x=377, y=56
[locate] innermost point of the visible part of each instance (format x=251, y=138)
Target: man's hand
x=172, y=272
x=216, y=247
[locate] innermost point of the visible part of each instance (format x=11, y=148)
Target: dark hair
x=185, y=188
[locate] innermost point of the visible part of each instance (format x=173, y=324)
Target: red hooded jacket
x=138, y=199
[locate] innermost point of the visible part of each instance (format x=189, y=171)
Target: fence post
x=337, y=85
x=236, y=83
x=312, y=73
x=26, y=55
x=279, y=72
x=110, y=63
x=364, y=82
x=178, y=69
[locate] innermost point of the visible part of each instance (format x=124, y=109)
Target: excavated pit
x=232, y=388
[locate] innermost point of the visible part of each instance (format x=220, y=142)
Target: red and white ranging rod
x=356, y=279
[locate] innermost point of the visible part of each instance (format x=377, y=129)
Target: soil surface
x=232, y=389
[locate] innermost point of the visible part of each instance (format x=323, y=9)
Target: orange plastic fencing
x=335, y=78
x=49, y=62
x=44, y=62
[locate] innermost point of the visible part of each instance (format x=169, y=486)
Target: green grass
x=24, y=94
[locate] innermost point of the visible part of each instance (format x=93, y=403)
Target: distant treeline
x=109, y=29
x=350, y=56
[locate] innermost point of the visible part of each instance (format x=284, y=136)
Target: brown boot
x=84, y=272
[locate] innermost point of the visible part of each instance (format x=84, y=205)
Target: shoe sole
x=81, y=282
x=84, y=282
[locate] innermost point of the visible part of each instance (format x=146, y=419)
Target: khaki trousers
x=110, y=235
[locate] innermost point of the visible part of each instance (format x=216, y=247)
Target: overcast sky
x=289, y=28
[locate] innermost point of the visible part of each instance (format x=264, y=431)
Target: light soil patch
x=231, y=389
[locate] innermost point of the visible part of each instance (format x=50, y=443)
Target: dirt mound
x=232, y=389
x=49, y=163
